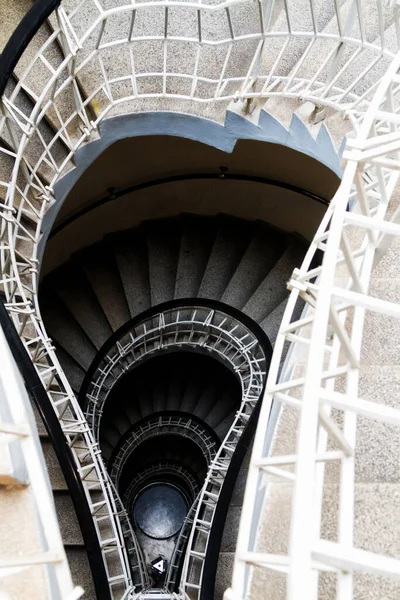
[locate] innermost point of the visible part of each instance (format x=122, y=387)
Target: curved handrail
x=23, y=34
x=116, y=194
x=197, y=327
x=154, y=427
x=20, y=274
x=160, y=308
x=38, y=394
x=217, y=528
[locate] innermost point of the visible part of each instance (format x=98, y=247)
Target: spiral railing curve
x=77, y=92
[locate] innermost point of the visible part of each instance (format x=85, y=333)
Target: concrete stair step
x=209, y=396
x=270, y=325
x=39, y=74
x=53, y=467
x=198, y=235
x=80, y=570
x=121, y=422
x=160, y=395
x=35, y=149
x=272, y=291
x=101, y=270
x=174, y=393
x=73, y=370
x=231, y=530
x=220, y=410
x=263, y=251
x=69, y=527
x=110, y=434
x=65, y=331
x=130, y=252
x=132, y=411
x=76, y=292
x=163, y=241
x=222, y=428
x=190, y=397
x=230, y=244
x=224, y=574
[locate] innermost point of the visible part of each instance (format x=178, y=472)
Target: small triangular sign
x=159, y=566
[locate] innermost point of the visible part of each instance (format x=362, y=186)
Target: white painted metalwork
x=153, y=427
x=194, y=327
x=171, y=579
x=332, y=335
x=20, y=442
x=342, y=69
x=207, y=330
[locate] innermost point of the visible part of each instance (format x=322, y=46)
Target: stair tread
x=222, y=429
x=76, y=293
x=132, y=260
x=198, y=234
x=101, y=270
x=229, y=246
x=65, y=330
x=67, y=520
x=163, y=240
x=272, y=291
x=264, y=249
x=80, y=570
x=57, y=480
x=73, y=370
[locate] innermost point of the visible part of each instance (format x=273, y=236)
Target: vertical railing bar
x=299, y=64
x=196, y=66
x=132, y=25
x=339, y=73
x=267, y=14
x=224, y=66
x=165, y=51
x=361, y=21
x=199, y=26
x=381, y=23
x=228, y=15
x=106, y=82
x=132, y=62
x=289, y=24
x=321, y=68
x=338, y=18
x=313, y=16
x=274, y=66
x=102, y=27
x=261, y=17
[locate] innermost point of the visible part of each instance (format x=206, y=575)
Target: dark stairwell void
x=176, y=227
x=237, y=266
x=161, y=426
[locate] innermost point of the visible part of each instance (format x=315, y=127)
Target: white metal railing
x=154, y=427
x=20, y=450
x=331, y=334
x=340, y=68
x=171, y=578
x=207, y=330
x=194, y=327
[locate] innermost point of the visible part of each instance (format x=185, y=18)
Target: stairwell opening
x=175, y=229
x=169, y=396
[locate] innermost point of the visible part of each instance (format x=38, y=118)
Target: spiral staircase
x=184, y=185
